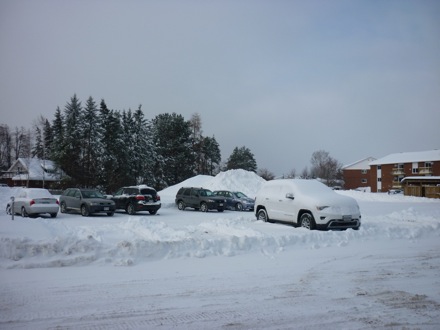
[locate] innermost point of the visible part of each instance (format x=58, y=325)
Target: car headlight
x=320, y=208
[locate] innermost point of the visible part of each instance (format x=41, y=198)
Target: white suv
x=307, y=203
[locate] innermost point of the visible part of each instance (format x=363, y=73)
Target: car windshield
x=91, y=194
x=240, y=195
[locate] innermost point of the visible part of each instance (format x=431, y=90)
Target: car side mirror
x=290, y=196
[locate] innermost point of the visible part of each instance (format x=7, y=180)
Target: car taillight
x=140, y=197
x=32, y=202
x=58, y=202
x=157, y=198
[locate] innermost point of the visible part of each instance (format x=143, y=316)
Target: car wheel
x=110, y=214
x=307, y=221
x=239, y=207
x=204, y=207
x=130, y=209
x=262, y=215
x=63, y=208
x=84, y=210
x=53, y=215
x=24, y=214
x=153, y=212
x=181, y=205
x=220, y=210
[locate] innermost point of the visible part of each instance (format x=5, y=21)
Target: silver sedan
x=33, y=202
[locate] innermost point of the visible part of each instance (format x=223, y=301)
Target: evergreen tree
x=90, y=145
x=112, y=148
x=71, y=155
x=242, y=158
x=56, y=147
x=38, y=148
x=211, y=155
x=173, y=141
x=47, y=139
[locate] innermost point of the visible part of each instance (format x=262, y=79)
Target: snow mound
x=236, y=180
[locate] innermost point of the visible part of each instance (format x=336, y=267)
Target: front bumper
x=101, y=208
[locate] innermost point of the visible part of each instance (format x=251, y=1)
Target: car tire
x=307, y=221
x=130, y=209
x=239, y=207
x=262, y=215
x=181, y=205
x=84, y=210
x=24, y=214
x=63, y=208
x=53, y=215
x=153, y=212
x=110, y=214
x=220, y=210
x=204, y=207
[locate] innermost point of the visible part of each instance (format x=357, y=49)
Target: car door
x=287, y=204
x=75, y=199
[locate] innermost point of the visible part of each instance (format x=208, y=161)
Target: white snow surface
x=194, y=270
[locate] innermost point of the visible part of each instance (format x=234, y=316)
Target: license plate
x=106, y=208
x=346, y=217
x=221, y=204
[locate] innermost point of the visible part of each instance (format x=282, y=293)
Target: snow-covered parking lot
x=193, y=270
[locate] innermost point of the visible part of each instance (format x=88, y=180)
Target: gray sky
x=283, y=78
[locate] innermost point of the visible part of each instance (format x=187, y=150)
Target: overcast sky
x=283, y=78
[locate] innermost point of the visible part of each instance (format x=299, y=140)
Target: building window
x=364, y=172
x=379, y=167
x=379, y=179
x=364, y=180
x=415, y=170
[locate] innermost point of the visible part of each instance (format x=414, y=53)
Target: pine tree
x=38, y=148
x=174, y=145
x=242, y=158
x=211, y=155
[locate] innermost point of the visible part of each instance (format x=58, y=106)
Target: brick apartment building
x=388, y=172
x=357, y=175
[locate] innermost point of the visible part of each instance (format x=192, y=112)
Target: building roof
x=409, y=157
x=363, y=164
x=35, y=169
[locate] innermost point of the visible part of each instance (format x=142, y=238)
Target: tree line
x=99, y=147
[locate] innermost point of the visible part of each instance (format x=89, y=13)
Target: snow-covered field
x=193, y=270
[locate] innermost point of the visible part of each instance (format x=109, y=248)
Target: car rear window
x=148, y=192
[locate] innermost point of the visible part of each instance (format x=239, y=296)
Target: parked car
x=199, y=199
x=306, y=203
x=33, y=202
x=236, y=200
x=137, y=198
x=86, y=201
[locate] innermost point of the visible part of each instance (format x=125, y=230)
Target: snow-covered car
x=86, y=201
x=306, y=203
x=33, y=202
x=236, y=200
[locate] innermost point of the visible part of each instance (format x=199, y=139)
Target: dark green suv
x=199, y=199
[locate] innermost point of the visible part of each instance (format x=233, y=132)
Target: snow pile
x=235, y=180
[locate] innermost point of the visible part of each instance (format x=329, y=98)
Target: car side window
x=76, y=194
x=186, y=192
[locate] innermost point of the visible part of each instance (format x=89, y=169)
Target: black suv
x=137, y=198
x=199, y=199
x=85, y=201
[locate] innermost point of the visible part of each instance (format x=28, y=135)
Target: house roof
x=363, y=164
x=36, y=170
x=409, y=157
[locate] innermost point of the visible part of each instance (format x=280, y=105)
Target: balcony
x=398, y=171
x=425, y=170
x=397, y=185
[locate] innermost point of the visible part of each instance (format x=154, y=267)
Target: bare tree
x=325, y=167
x=5, y=147
x=266, y=174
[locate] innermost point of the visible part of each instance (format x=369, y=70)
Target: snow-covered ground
x=193, y=270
